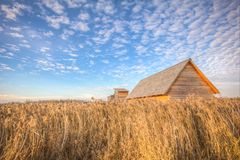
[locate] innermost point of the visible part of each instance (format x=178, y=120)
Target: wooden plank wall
x=121, y=94
x=189, y=82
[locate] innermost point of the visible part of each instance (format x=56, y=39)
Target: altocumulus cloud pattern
x=80, y=48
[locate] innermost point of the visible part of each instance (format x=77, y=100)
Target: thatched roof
x=160, y=83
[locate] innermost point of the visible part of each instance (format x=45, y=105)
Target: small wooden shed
x=176, y=82
x=119, y=94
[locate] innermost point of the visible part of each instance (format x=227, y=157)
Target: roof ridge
x=186, y=60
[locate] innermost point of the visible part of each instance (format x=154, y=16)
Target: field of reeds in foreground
x=193, y=128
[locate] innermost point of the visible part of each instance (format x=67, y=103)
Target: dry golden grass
x=189, y=129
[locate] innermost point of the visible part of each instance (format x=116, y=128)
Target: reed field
x=190, y=129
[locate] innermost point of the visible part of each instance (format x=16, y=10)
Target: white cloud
x=91, y=62
x=97, y=50
x=119, y=53
x=140, y=49
x=135, y=26
x=105, y=6
x=8, y=55
x=25, y=45
x=105, y=61
x=80, y=46
x=72, y=60
x=72, y=68
x=45, y=65
x=126, y=5
x=158, y=49
x=66, y=50
x=58, y=68
x=12, y=47
x=123, y=71
x=216, y=42
x=75, y=3
x=138, y=69
x=152, y=21
x=1, y=29
x=124, y=58
x=118, y=26
x=83, y=16
x=56, y=21
x=48, y=34
x=12, y=98
x=177, y=26
x=16, y=35
x=117, y=45
x=145, y=38
x=16, y=29
x=5, y=98
x=196, y=24
x=32, y=33
x=5, y=67
x=137, y=8
x=120, y=40
x=54, y=5
x=66, y=33
x=73, y=55
x=2, y=50
x=105, y=20
x=44, y=49
x=71, y=49
x=12, y=12
x=5, y=54
x=80, y=26
x=193, y=36
x=103, y=36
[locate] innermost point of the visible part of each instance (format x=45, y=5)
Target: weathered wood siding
x=120, y=95
x=189, y=82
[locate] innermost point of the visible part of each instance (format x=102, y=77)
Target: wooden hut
x=176, y=82
x=119, y=94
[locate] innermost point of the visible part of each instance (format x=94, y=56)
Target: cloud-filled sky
x=79, y=48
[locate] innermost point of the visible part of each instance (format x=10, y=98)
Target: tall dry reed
x=193, y=128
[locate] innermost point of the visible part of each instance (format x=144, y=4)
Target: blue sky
x=79, y=48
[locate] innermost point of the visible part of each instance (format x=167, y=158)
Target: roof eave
x=146, y=96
